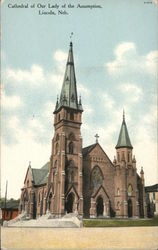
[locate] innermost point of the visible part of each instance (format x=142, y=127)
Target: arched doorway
x=34, y=206
x=100, y=206
x=49, y=202
x=130, y=212
x=69, y=203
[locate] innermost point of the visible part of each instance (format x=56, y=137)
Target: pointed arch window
x=71, y=148
x=71, y=136
x=128, y=156
x=118, y=205
x=96, y=177
x=57, y=148
x=130, y=190
x=57, y=137
x=49, y=201
x=118, y=191
x=123, y=155
x=71, y=163
x=39, y=198
x=55, y=164
x=118, y=157
x=71, y=116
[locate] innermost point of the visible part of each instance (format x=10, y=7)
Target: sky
x=116, y=58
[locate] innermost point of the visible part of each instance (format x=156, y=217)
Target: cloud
x=151, y=62
x=11, y=102
x=123, y=49
x=48, y=109
x=127, y=60
x=88, y=109
x=47, y=85
x=109, y=101
x=145, y=150
x=82, y=89
x=60, y=56
x=151, y=117
x=35, y=125
x=37, y=76
x=15, y=159
x=132, y=92
x=34, y=76
x=13, y=123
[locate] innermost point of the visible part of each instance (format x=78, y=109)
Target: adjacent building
x=9, y=209
x=152, y=200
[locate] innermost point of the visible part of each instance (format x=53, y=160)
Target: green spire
x=68, y=96
x=124, y=140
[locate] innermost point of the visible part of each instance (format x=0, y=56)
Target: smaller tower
x=142, y=175
x=124, y=146
x=143, y=207
x=126, y=193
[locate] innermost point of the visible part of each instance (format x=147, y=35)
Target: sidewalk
x=80, y=238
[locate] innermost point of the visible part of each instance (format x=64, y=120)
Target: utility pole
x=5, y=202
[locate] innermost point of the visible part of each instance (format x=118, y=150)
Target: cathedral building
x=83, y=180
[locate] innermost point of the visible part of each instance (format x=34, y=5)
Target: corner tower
x=125, y=179
x=124, y=146
x=65, y=177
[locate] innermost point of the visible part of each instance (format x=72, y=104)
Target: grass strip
x=120, y=222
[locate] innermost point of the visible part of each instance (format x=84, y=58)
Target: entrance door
x=69, y=203
x=130, y=212
x=34, y=206
x=100, y=206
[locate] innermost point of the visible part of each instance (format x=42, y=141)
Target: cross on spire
x=71, y=36
x=96, y=136
x=123, y=115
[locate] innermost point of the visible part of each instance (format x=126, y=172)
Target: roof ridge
x=89, y=146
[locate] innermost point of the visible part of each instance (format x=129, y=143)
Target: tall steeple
x=68, y=96
x=66, y=157
x=124, y=140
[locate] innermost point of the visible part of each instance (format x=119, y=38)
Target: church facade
x=83, y=180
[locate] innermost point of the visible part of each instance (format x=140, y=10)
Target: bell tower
x=124, y=146
x=126, y=192
x=65, y=176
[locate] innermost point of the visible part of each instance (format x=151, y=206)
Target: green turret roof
x=124, y=140
x=68, y=96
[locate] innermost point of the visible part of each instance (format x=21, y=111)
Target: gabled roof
x=124, y=140
x=68, y=96
x=46, y=166
x=94, y=194
x=40, y=175
x=72, y=187
x=153, y=188
x=14, y=204
x=88, y=149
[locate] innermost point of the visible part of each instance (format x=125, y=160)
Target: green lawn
x=120, y=222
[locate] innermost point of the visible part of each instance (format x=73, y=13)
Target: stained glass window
x=96, y=178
